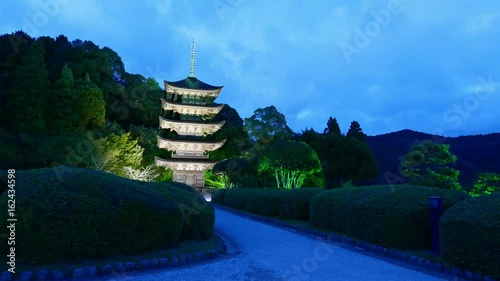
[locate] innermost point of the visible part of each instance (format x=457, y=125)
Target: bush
x=218, y=196
x=287, y=203
x=79, y=213
x=198, y=216
x=390, y=216
x=470, y=233
x=295, y=203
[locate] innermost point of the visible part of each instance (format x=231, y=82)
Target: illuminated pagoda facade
x=187, y=109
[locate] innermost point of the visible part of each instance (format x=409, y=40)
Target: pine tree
x=332, y=126
x=356, y=132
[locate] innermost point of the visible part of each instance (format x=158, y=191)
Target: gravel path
x=270, y=253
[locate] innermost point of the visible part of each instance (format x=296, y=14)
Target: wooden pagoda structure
x=187, y=109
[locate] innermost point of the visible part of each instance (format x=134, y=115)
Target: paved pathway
x=270, y=253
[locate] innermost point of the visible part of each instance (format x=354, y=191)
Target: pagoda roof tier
x=190, y=128
x=192, y=83
x=185, y=165
x=183, y=145
x=191, y=109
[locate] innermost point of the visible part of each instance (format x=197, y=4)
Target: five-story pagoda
x=187, y=108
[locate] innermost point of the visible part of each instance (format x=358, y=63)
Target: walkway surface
x=271, y=253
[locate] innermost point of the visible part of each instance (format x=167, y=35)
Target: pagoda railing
x=189, y=155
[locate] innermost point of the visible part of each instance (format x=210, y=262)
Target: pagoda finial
x=193, y=53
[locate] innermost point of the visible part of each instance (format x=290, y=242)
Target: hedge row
x=389, y=216
x=72, y=213
x=286, y=203
x=470, y=234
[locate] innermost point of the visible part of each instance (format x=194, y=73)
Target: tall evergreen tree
x=92, y=105
x=30, y=89
x=356, y=132
x=332, y=126
x=64, y=114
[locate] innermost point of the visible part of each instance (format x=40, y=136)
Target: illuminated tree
x=289, y=163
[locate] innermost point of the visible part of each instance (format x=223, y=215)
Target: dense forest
x=72, y=103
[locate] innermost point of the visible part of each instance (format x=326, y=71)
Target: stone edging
x=117, y=269
x=369, y=247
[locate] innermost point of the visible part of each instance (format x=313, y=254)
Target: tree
x=233, y=131
x=332, y=127
x=486, y=184
x=115, y=152
x=64, y=115
x=267, y=125
x=92, y=105
x=232, y=171
x=356, y=132
x=141, y=174
x=428, y=164
x=289, y=163
x=29, y=93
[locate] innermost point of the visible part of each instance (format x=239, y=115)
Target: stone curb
x=372, y=248
x=116, y=269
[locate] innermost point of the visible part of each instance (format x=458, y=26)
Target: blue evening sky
x=431, y=66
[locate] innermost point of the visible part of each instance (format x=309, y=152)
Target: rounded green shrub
x=218, y=196
x=470, y=234
x=391, y=216
x=198, y=216
x=68, y=214
x=295, y=203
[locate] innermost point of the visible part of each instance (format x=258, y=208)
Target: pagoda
x=187, y=109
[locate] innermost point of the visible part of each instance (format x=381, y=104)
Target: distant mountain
x=477, y=153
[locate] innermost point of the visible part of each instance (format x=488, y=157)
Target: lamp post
x=436, y=210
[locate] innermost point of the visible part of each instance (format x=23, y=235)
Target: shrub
x=198, y=216
x=80, y=213
x=295, y=203
x=287, y=203
x=470, y=233
x=390, y=216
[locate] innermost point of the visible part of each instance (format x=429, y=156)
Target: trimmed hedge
x=287, y=203
x=198, y=216
x=73, y=213
x=390, y=216
x=470, y=234
x=296, y=203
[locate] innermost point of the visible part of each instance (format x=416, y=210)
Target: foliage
x=233, y=171
x=287, y=203
x=428, y=164
x=469, y=234
x=486, y=184
x=198, y=216
x=356, y=132
x=80, y=213
x=342, y=158
x=26, y=103
x=295, y=203
x=390, y=216
x=141, y=174
x=237, y=139
x=115, y=152
x=332, y=127
x=289, y=163
x=92, y=105
x=265, y=126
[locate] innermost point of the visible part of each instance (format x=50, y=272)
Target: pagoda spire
x=193, y=54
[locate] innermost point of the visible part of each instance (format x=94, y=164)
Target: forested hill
x=478, y=153
x=73, y=103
